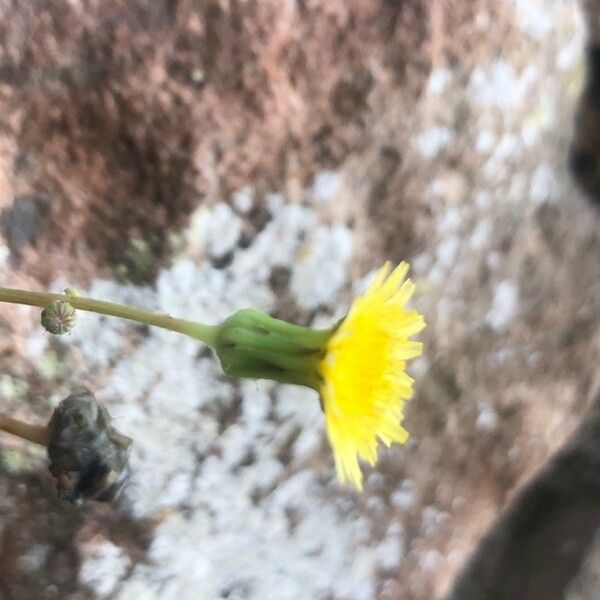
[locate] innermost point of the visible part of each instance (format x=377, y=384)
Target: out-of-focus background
x=199, y=157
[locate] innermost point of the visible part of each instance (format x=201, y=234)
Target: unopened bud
x=58, y=317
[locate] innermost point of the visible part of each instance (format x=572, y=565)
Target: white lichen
x=103, y=566
x=504, y=305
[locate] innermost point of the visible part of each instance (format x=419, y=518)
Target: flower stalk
x=38, y=434
x=198, y=331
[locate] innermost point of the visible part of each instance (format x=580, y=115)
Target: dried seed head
x=88, y=456
x=58, y=317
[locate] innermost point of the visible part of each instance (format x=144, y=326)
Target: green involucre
x=252, y=344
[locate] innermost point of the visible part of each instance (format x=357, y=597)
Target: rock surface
x=172, y=191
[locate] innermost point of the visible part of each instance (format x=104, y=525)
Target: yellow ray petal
x=365, y=385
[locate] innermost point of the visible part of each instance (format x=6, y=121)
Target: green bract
x=250, y=343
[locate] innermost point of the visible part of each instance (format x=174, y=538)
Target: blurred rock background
x=199, y=157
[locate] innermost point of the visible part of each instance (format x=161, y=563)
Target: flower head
x=357, y=366
x=365, y=385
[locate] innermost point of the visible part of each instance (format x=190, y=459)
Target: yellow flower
x=365, y=384
x=357, y=367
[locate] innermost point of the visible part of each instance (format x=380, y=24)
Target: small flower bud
x=58, y=317
x=88, y=456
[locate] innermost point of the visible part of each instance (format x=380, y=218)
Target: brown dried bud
x=88, y=456
x=58, y=317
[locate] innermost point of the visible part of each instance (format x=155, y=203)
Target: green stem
x=198, y=331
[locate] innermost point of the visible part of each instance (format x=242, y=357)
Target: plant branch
x=38, y=434
x=198, y=331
